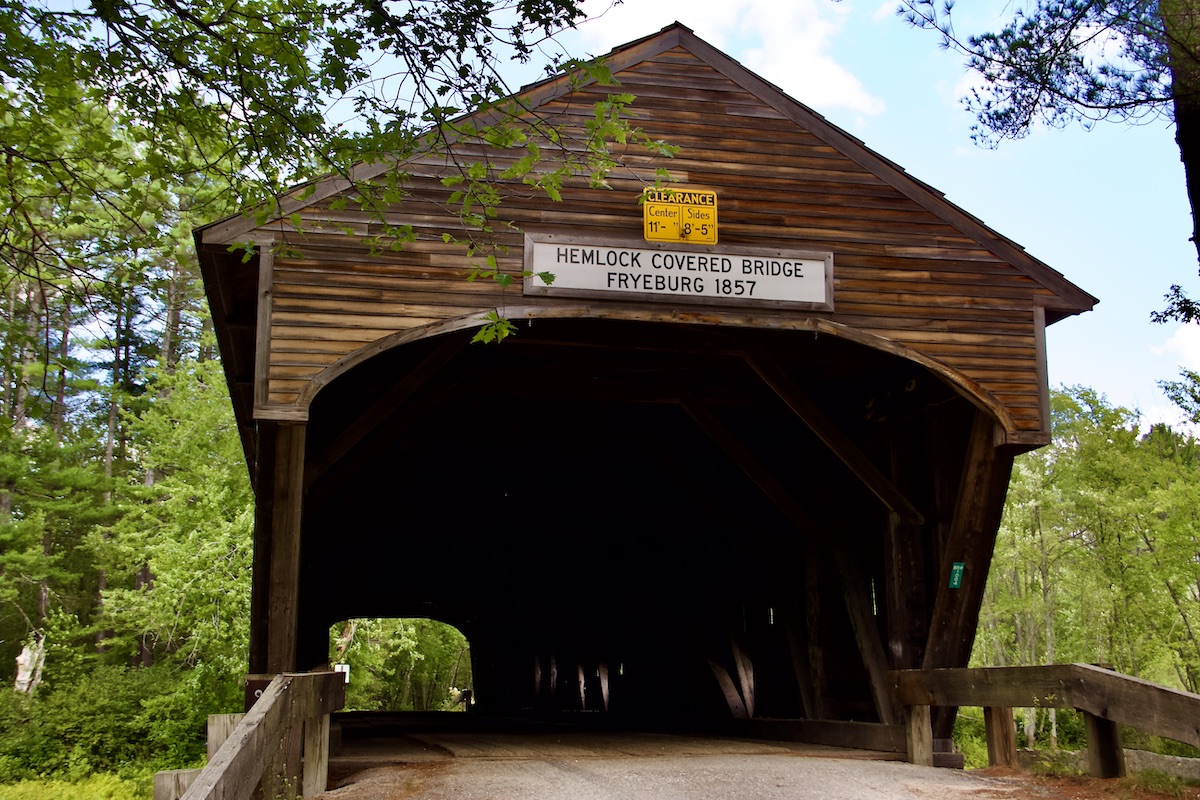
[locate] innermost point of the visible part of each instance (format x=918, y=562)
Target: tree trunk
x=64, y=351
x=28, y=354
x=1181, y=22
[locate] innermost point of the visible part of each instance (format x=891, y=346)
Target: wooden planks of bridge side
x=281, y=742
x=1105, y=697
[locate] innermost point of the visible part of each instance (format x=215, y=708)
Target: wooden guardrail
x=282, y=743
x=1106, y=699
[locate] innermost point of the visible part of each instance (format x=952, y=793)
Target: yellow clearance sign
x=679, y=215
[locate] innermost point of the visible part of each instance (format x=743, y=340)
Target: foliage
x=1157, y=782
x=94, y=787
x=263, y=88
x=1098, y=556
x=102, y=723
x=1060, y=61
x=970, y=738
x=402, y=665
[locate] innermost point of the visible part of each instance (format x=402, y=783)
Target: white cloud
x=786, y=44
x=1183, y=347
x=886, y=10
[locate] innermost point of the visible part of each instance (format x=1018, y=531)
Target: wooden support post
x=801, y=667
x=1106, y=759
x=737, y=708
x=813, y=575
x=866, y=634
x=283, y=775
x=316, y=756
x=172, y=784
x=1000, y=730
x=745, y=672
x=904, y=593
x=220, y=726
x=284, y=591
x=971, y=539
x=581, y=680
x=602, y=674
x=920, y=736
x=260, y=584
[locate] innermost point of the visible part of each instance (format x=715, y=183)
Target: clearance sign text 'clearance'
x=679, y=215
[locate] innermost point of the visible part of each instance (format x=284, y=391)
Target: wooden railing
x=282, y=743
x=1106, y=699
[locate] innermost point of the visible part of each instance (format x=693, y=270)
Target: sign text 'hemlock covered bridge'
x=746, y=453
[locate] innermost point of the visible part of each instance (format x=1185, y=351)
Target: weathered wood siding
x=901, y=272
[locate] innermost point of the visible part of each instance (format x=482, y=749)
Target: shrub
x=96, y=787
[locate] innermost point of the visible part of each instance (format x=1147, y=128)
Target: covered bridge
x=747, y=451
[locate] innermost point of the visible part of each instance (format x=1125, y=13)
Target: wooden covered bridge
x=743, y=456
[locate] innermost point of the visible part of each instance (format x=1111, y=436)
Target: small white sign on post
x=746, y=275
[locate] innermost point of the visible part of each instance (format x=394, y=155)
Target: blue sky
x=1106, y=207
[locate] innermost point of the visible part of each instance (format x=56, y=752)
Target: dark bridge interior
x=635, y=517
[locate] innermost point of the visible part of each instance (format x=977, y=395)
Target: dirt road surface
x=599, y=766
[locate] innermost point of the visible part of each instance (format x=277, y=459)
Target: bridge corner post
x=1106, y=759
x=920, y=736
x=1000, y=730
x=284, y=570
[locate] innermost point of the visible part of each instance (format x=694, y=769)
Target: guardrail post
x=920, y=736
x=1000, y=730
x=316, y=756
x=1106, y=759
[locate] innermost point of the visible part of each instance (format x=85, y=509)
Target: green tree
x=402, y=664
x=1060, y=61
x=265, y=93
x=1098, y=555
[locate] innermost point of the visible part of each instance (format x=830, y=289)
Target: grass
x=94, y=787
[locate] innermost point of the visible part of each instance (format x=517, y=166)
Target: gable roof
x=1067, y=298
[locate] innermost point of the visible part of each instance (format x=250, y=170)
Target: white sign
x=725, y=274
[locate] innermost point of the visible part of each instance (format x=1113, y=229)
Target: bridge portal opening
x=402, y=664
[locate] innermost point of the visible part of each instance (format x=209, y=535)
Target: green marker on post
x=956, y=573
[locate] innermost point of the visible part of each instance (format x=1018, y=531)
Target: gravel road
x=637, y=767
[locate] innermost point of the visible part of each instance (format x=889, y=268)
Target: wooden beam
x=383, y=407
x=284, y=593
x=1122, y=698
x=801, y=667
x=1043, y=373
x=814, y=573
x=260, y=570
x=745, y=673
x=866, y=634
x=737, y=708
x=262, y=746
x=754, y=469
x=832, y=436
x=262, y=342
x=970, y=541
x=904, y=593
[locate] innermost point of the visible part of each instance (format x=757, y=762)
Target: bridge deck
x=392, y=757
